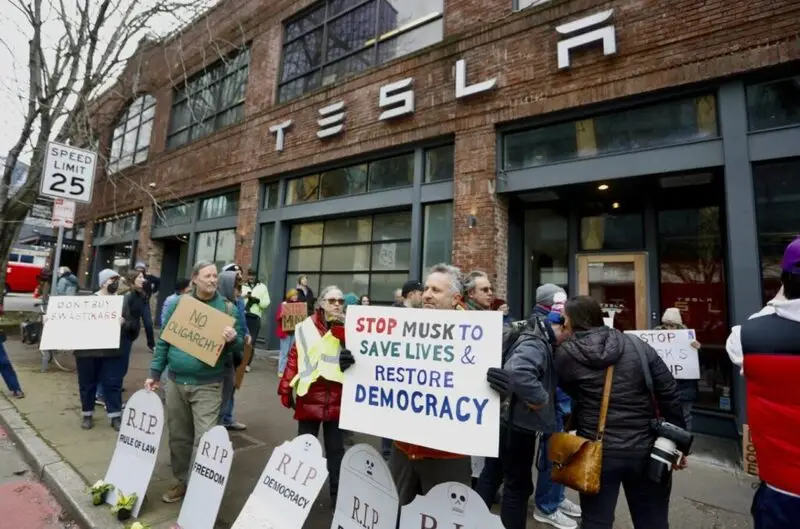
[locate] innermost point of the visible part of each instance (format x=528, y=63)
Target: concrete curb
x=64, y=482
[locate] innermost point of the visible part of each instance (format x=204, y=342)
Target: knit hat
x=290, y=293
x=791, y=257
x=105, y=275
x=672, y=315
x=232, y=267
x=350, y=299
x=545, y=294
x=140, y=264
x=410, y=286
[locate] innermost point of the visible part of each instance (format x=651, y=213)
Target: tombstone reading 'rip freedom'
x=197, y=328
x=78, y=323
x=207, y=479
x=675, y=349
x=287, y=488
x=135, y=456
x=367, y=493
x=448, y=505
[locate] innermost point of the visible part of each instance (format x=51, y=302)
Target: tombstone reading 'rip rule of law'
x=448, y=505
x=207, y=479
x=367, y=494
x=287, y=488
x=135, y=455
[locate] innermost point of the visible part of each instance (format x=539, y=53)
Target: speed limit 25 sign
x=68, y=173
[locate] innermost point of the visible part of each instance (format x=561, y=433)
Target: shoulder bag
x=577, y=461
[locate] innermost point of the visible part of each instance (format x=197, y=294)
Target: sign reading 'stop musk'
x=208, y=477
x=420, y=377
x=367, y=494
x=676, y=349
x=68, y=173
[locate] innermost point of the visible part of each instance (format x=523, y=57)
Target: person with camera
x=644, y=432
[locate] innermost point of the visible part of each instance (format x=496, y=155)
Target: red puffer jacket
x=324, y=398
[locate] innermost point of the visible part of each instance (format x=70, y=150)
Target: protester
x=768, y=348
x=256, y=300
x=581, y=361
x=133, y=309
x=228, y=287
x=364, y=300
x=183, y=286
x=672, y=320
x=351, y=299
x=398, y=298
x=151, y=285
x=304, y=293
x=7, y=369
x=67, y=284
x=417, y=469
x=502, y=306
x=194, y=397
x=313, y=374
x=285, y=335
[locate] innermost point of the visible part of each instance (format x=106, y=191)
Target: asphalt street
x=20, y=302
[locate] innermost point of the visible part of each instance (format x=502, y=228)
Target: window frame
x=148, y=101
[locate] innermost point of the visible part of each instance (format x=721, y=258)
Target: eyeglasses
x=486, y=290
x=335, y=301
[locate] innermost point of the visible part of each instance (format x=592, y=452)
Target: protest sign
x=77, y=323
x=675, y=348
x=207, y=479
x=197, y=328
x=287, y=488
x=240, y=371
x=420, y=377
x=292, y=315
x=448, y=505
x=367, y=494
x=749, y=459
x=134, y=457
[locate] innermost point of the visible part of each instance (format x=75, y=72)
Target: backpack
x=518, y=331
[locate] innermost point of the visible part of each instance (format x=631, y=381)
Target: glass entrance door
x=619, y=283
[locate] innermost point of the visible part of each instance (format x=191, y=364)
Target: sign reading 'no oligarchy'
x=420, y=377
x=196, y=328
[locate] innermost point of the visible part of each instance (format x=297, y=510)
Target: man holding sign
x=202, y=331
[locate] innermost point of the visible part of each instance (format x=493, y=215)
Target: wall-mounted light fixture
x=471, y=221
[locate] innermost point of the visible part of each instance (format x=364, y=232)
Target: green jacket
x=186, y=369
x=258, y=292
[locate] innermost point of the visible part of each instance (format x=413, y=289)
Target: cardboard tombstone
x=448, y=505
x=207, y=479
x=367, y=494
x=134, y=458
x=287, y=488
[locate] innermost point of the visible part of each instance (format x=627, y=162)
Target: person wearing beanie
x=546, y=298
x=151, y=285
x=687, y=389
x=351, y=299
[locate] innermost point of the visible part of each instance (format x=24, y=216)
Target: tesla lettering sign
x=68, y=173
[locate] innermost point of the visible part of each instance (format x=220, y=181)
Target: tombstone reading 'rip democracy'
x=287, y=488
x=134, y=457
x=207, y=479
x=367, y=493
x=448, y=505
x=197, y=328
x=78, y=323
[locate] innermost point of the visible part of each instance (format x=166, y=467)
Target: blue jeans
x=549, y=495
x=95, y=371
x=228, y=388
x=773, y=510
x=125, y=346
x=286, y=345
x=7, y=370
x=147, y=319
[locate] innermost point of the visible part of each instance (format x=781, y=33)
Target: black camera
x=672, y=443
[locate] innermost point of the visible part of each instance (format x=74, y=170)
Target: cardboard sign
x=367, y=493
x=287, y=488
x=197, y=328
x=420, y=377
x=242, y=369
x=448, y=505
x=675, y=348
x=135, y=456
x=207, y=479
x=77, y=323
x=292, y=315
x=749, y=459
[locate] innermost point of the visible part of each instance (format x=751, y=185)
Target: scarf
x=472, y=305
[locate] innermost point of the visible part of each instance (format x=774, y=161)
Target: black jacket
x=151, y=285
x=132, y=308
x=581, y=363
x=309, y=298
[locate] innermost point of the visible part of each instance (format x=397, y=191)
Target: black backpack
x=517, y=331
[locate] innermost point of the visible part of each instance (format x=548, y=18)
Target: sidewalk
x=705, y=496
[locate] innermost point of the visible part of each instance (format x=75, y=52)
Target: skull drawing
x=458, y=495
x=369, y=467
x=306, y=446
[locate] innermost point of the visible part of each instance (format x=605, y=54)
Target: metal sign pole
x=56, y=261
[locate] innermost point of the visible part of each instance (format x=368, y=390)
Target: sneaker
x=557, y=519
x=18, y=394
x=247, y=369
x=175, y=494
x=236, y=426
x=87, y=423
x=570, y=508
x=116, y=422
x=98, y=401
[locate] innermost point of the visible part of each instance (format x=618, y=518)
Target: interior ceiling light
x=602, y=187
x=615, y=205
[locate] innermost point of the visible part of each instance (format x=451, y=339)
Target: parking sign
x=68, y=173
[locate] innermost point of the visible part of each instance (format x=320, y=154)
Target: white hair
x=325, y=291
x=471, y=280
x=453, y=273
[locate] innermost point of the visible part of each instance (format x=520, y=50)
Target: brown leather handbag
x=577, y=461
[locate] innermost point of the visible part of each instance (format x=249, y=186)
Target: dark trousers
x=774, y=510
x=648, y=502
x=147, y=320
x=419, y=476
x=254, y=326
x=125, y=347
x=106, y=371
x=334, y=449
x=7, y=370
x=513, y=469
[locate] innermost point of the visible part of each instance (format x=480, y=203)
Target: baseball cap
x=791, y=257
x=232, y=267
x=413, y=285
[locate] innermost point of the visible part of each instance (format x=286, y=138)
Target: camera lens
x=663, y=455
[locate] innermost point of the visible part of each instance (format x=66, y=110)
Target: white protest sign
x=675, y=348
x=448, y=505
x=63, y=213
x=134, y=457
x=287, y=488
x=68, y=173
x=76, y=323
x=207, y=479
x=367, y=495
x=420, y=377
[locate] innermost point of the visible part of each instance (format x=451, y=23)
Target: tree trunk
x=7, y=238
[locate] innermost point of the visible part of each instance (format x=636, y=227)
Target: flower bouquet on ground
x=139, y=525
x=124, y=506
x=99, y=491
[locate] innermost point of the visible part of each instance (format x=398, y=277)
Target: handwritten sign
x=135, y=456
x=448, y=505
x=79, y=323
x=675, y=348
x=287, y=488
x=197, y=328
x=420, y=377
x=367, y=494
x=207, y=479
x=749, y=459
x=292, y=315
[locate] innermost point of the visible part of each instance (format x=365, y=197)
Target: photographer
x=581, y=361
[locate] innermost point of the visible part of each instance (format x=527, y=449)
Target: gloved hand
x=500, y=381
x=346, y=360
x=287, y=401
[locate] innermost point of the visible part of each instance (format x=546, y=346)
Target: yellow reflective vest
x=317, y=356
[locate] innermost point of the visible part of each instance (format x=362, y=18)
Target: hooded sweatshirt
x=226, y=285
x=67, y=284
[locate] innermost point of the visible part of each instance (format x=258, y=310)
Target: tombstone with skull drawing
x=367, y=494
x=448, y=506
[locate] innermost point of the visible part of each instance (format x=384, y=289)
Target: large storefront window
x=438, y=241
x=774, y=104
x=546, y=251
x=219, y=247
x=364, y=255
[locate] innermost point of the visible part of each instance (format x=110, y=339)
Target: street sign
x=63, y=213
x=68, y=173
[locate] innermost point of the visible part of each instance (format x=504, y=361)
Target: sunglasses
x=335, y=301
